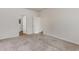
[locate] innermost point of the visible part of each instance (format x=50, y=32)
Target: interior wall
x=9, y=17
x=61, y=23
x=37, y=25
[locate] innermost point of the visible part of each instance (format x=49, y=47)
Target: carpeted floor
x=36, y=42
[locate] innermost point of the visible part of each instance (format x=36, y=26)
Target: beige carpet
x=36, y=42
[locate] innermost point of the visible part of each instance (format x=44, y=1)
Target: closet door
x=29, y=24
x=24, y=24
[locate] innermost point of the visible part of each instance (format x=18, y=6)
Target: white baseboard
x=8, y=36
x=61, y=38
x=38, y=32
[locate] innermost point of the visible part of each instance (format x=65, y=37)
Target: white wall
x=37, y=25
x=9, y=26
x=61, y=23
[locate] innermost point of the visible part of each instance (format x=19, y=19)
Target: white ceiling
x=37, y=9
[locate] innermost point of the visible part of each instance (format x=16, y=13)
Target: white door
x=29, y=24
x=24, y=24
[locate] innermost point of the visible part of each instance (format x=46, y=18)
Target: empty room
x=39, y=29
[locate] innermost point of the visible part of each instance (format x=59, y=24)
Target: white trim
x=38, y=32
x=61, y=38
x=8, y=36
